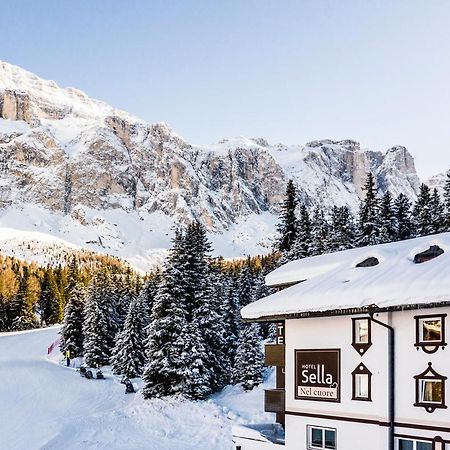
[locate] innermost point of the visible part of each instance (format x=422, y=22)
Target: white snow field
x=44, y=405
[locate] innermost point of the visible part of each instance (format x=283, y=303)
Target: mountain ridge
x=107, y=175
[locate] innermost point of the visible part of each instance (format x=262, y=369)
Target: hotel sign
x=317, y=375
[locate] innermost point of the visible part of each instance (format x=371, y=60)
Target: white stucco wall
x=336, y=332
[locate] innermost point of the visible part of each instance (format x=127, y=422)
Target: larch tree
x=50, y=301
x=23, y=306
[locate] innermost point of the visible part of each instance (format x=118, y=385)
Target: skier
x=68, y=358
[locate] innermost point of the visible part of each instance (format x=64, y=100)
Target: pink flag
x=53, y=345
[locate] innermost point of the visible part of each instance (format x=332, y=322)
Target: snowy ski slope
x=47, y=406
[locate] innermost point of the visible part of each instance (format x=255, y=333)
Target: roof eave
x=372, y=309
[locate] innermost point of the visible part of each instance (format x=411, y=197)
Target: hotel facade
x=361, y=353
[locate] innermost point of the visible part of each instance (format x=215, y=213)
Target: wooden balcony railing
x=274, y=400
x=274, y=355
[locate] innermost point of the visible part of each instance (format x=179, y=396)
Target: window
x=362, y=378
x=362, y=331
x=412, y=444
x=321, y=438
x=361, y=335
x=430, y=390
x=430, y=332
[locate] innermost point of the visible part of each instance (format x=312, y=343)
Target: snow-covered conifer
x=320, y=232
x=447, y=202
x=369, y=218
x=197, y=378
x=437, y=210
x=72, y=329
x=342, y=229
x=302, y=245
x=404, y=228
x=387, y=219
x=422, y=212
x=167, y=322
x=288, y=225
x=98, y=323
x=128, y=355
x=249, y=368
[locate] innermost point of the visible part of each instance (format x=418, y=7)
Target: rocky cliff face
x=66, y=153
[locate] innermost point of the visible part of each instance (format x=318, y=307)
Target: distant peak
x=348, y=144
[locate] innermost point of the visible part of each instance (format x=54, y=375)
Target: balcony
x=274, y=355
x=274, y=400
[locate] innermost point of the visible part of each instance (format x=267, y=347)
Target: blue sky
x=288, y=71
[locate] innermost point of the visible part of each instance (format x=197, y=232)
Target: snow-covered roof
x=333, y=283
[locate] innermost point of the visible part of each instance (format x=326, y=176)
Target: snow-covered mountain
x=78, y=169
x=437, y=181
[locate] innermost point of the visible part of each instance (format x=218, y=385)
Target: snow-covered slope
x=87, y=169
x=437, y=181
x=46, y=406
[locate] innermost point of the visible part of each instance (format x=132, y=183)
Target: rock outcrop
x=62, y=151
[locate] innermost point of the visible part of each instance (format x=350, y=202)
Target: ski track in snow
x=49, y=407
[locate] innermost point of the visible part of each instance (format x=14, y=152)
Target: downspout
x=391, y=370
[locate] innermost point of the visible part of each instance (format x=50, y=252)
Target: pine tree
x=248, y=369
x=387, y=219
x=50, y=302
x=320, y=233
x=369, y=221
x=147, y=296
x=72, y=329
x=227, y=293
x=447, y=202
x=97, y=327
x=246, y=291
x=22, y=307
x=122, y=295
x=287, y=228
x=302, y=246
x=167, y=322
x=342, y=230
x=128, y=356
x=437, y=210
x=208, y=313
x=197, y=379
x=422, y=212
x=404, y=227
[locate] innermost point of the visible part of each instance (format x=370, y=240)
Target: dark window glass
x=404, y=444
x=424, y=446
x=317, y=437
x=330, y=439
